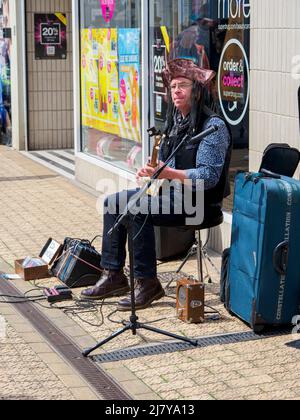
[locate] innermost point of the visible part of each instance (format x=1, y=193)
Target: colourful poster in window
x=109, y=79
x=89, y=78
x=129, y=82
x=100, y=80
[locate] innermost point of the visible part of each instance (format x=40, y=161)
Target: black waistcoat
x=187, y=159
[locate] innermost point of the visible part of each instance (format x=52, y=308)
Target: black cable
x=86, y=306
x=113, y=321
x=96, y=237
x=171, y=297
x=34, y=290
x=215, y=311
x=159, y=320
x=142, y=228
x=207, y=240
x=37, y=286
x=83, y=307
x=76, y=314
x=80, y=307
x=44, y=306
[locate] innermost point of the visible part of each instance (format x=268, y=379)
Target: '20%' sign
x=50, y=34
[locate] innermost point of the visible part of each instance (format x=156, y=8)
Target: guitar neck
x=155, y=153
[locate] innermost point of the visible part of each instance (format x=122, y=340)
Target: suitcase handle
x=269, y=174
x=256, y=177
x=252, y=177
x=280, y=258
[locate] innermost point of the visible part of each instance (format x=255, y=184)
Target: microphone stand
x=125, y=219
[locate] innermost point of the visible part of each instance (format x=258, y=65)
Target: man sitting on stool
x=187, y=114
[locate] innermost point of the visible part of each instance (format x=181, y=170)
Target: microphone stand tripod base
x=134, y=327
x=133, y=324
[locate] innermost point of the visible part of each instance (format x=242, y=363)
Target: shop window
x=111, y=81
x=5, y=76
x=214, y=33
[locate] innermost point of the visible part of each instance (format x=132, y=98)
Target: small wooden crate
x=48, y=255
x=32, y=273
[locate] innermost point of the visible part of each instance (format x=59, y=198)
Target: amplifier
x=79, y=265
x=190, y=301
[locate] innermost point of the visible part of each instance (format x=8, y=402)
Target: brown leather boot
x=111, y=283
x=146, y=292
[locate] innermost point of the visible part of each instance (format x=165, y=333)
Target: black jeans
x=142, y=227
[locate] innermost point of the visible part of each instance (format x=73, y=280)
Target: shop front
x=123, y=47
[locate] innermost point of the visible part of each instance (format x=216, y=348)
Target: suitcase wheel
x=258, y=329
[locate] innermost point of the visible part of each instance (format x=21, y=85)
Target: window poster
x=129, y=74
x=110, y=77
x=99, y=80
x=50, y=36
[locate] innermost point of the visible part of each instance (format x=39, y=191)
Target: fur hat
x=188, y=69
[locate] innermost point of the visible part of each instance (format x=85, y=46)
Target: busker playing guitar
x=209, y=161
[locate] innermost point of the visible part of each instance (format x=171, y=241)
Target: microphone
x=204, y=134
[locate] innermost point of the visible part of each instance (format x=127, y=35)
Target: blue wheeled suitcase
x=264, y=268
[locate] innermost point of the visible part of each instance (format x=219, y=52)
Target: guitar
x=154, y=162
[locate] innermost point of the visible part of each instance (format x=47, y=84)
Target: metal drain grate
x=105, y=386
x=172, y=347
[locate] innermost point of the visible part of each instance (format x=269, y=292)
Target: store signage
x=233, y=82
x=159, y=62
x=233, y=9
x=50, y=36
x=108, y=9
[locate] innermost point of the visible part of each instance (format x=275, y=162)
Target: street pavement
x=37, y=204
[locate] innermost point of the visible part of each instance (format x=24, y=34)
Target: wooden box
x=191, y=301
x=32, y=273
x=48, y=255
